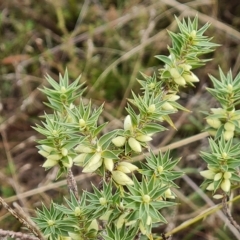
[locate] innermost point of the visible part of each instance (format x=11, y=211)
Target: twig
x=5, y=233
x=31, y=228
x=228, y=213
x=45, y=188
x=72, y=184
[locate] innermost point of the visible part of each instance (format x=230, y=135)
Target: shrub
x=127, y=203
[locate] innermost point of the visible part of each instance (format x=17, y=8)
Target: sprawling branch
x=31, y=228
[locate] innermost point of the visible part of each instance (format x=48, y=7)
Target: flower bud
x=212, y=132
x=121, y=205
x=130, y=166
x=146, y=198
x=75, y=236
x=143, y=138
x=231, y=113
x=64, y=238
x=208, y=174
x=171, y=97
x=214, y=169
x=149, y=220
x=79, y=160
x=214, y=122
x=226, y=185
x=109, y=164
x=106, y=215
x=83, y=149
x=123, y=169
x=94, y=159
x=67, y=162
x=151, y=85
x=103, y=201
x=230, y=87
x=168, y=194
x=69, y=119
x=55, y=157
x=64, y=151
x=128, y=123
x=174, y=73
x=228, y=135
x=119, y=141
x=218, y=196
x=121, y=178
x=71, y=106
x=227, y=175
x=142, y=228
x=63, y=89
x=160, y=169
x=151, y=108
x=134, y=145
x=43, y=153
x=218, y=176
x=50, y=163
x=235, y=117
x=93, y=225
x=121, y=220
x=161, y=119
x=185, y=67
x=47, y=148
x=180, y=81
x=210, y=187
x=167, y=106
x=82, y=123
x=193, y=34
x=218, y=111
x=94, y=163
x=224, y=155
x=55, y=133
x=77, y=211
x=130, y=222
x=50, y=222
x=190, y=77
x=229, y=127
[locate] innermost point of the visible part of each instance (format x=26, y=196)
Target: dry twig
x=228, y=213
x=31, y=228
x=72, y=184
x=24, y=236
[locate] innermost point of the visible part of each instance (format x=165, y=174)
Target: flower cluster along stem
x=130, y=196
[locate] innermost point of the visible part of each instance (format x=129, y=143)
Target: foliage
x=125, y=201
x=223, y=159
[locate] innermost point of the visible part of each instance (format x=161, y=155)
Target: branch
x=31, y=228
x=228, y=213
x=72, y=184
x=24, y=236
